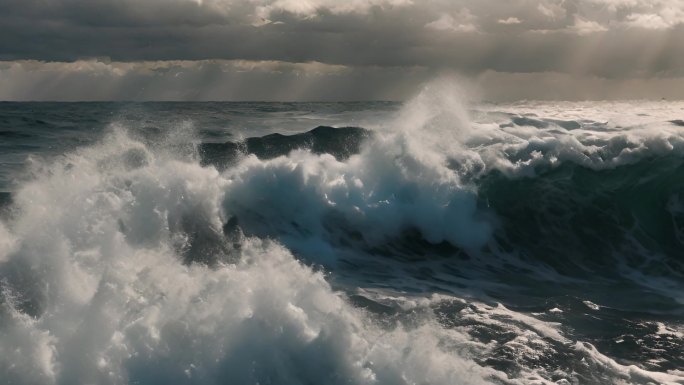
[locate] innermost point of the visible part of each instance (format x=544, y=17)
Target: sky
x=333, y=50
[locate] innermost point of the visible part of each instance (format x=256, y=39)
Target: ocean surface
x=427, y=242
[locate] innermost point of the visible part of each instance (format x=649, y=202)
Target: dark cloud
x=609, y=39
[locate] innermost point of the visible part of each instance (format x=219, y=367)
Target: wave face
x=339, y=142
x=506, y=244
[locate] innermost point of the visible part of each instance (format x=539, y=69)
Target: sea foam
x=97, y=287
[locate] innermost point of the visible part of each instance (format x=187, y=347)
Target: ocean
x=433, y=241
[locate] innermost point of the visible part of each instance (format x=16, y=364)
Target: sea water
x=434, y=241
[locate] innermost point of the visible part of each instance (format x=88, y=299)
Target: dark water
x=302, y=243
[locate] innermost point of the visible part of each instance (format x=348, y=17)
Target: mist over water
x=457, y=244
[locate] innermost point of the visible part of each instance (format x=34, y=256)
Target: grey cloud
x=466, y=34
x=203, y=80
x=498, y=86
x=240, y=80
x=608, y=39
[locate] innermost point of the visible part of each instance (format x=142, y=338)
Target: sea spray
x=94, y=290
x=400, y=180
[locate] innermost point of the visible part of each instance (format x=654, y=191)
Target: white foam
x=628, y=374
x=609, y=135
x=95, y=291
x=400, y=180
x=669, y=331
x=591, y=305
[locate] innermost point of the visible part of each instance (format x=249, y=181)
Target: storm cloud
x=366, y=49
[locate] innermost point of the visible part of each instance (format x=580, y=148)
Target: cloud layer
x=372, y=40
x=204, y=80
